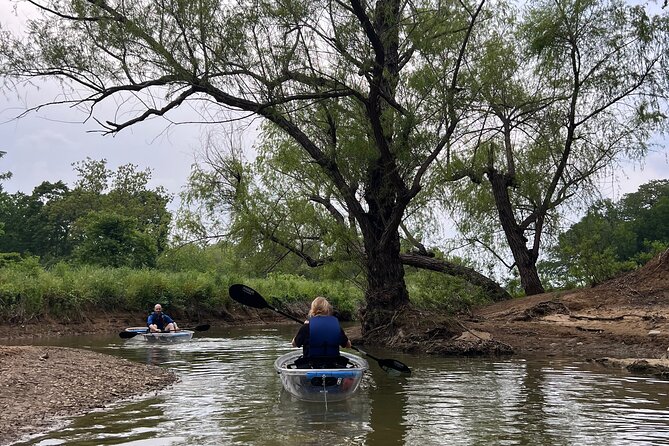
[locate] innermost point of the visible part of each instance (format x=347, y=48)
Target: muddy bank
x=627, y=317
x=39, y=386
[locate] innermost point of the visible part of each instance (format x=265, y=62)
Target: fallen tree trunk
x=492, y=288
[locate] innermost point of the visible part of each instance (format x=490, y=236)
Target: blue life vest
x=324, y=336
x=160, y=320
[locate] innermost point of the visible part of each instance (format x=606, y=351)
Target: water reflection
x=388, y=401
x=229, y=394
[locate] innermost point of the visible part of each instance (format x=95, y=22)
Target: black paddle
x=132, y=334
x=248, y=296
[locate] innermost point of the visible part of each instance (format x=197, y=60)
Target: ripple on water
x=229, y=394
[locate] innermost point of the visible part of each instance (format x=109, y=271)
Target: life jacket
x=324, y=336
x=158, y=320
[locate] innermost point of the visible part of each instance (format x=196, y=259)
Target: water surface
x=229, y=394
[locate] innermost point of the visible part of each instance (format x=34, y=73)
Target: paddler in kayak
x=320, y=338
x=159, y=321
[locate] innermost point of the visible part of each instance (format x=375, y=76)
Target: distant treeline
x=611, y=238
x=109, y=218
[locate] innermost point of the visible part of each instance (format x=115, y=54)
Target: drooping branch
x=409, y=236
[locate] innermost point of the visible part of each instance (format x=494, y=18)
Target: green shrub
x=434, y=291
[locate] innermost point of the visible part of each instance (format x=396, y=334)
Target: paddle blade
x=204, y=327
x=128, y=334
x=247, y=296
x=394, y=367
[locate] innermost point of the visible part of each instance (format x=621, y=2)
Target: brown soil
x=39, y=385
x=624, y=318
x=621, y=323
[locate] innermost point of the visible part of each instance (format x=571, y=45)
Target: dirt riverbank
x=621, y=323
x=40, y=385
x=625, y=318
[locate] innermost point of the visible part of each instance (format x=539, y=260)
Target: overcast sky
x=43, y=145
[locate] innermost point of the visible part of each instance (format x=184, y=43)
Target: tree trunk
x=386, y=293
x=524, y=258
x=492, y=288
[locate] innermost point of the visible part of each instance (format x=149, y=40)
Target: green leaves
x=109, y=239
x=615, y=237
x=93, y=222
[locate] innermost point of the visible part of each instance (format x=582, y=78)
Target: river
x=229, y=394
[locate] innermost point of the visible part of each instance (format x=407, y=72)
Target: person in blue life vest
x=159, y=321
x=320, y=337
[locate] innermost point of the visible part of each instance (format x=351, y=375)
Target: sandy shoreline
x=40, y=386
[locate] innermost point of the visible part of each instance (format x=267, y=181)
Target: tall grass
x=66, y=292
x=287, y=289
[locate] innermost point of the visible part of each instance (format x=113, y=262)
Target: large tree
x=558, y=92
x=581, y=85
x=310, y=68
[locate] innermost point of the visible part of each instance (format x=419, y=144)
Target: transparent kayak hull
x=176, y=336
x=320, y=385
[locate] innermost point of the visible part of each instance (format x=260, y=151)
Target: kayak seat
x=321, y=362
x=328, y=382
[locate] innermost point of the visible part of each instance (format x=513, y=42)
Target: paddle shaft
x=289, y=316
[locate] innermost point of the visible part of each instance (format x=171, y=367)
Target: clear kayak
x=162, y=337
x=320, y=385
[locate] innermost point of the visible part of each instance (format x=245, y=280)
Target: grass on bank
x=29, y=292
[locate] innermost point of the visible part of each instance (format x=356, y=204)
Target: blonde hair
x=320, y=306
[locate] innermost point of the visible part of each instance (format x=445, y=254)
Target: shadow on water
x=230, y=394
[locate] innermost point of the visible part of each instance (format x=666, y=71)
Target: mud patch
x=655, y=367
x=543, y=309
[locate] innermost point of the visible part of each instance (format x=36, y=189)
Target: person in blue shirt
x=320, y=337
x=159, y=321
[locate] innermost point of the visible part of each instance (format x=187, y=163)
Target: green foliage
x=7, y=258
x=108, y=239
x=287, y=289
x=432, y=291
x=4, y=175
x=109, y=218
x=613, y=237
x=567, y=88
x=68, y=292
x=27, y=291
x=23, y=288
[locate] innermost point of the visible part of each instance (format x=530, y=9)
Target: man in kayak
x=320, y=338
x=158, y=321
